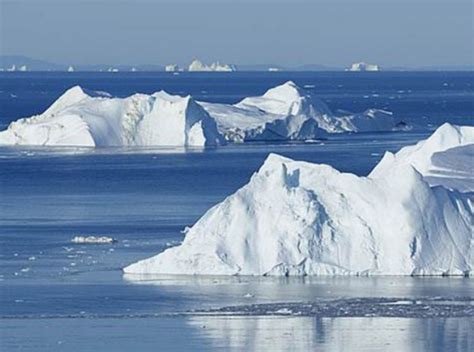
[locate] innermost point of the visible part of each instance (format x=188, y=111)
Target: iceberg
x=81, y=119
x=198, y=66
x=284, y=112
x=300, y=218
x=172, y=68
x=288, y=112
x=362, y=66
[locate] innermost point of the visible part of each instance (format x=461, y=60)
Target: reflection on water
x=336, y=334
x=238, y=334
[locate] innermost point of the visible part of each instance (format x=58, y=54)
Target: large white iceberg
x=299, y=218
x=80, y=119
x=285, y=112
x=288, y=112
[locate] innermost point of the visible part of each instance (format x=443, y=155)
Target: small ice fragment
x=25, y=270
x=32, y=258
x=93, y=239
x=248, y=295
x=284, y=311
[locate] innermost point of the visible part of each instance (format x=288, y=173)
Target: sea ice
x=299, y=218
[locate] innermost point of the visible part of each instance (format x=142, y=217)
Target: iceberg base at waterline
x=299, y=218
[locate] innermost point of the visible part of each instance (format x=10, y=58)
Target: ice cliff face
x=288, y=112
x=298, y=218
x=79, y=119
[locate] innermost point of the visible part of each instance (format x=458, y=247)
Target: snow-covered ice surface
x=90, y=120
x=298, y=218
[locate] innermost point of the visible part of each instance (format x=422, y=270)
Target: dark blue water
x=56, y=295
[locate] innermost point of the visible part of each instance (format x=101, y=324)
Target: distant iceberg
x=172, y=68
x=198, y=66
x=81, y=119
x=299, y=218
x=362, y=66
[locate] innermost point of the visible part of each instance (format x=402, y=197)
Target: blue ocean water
x=56, y=295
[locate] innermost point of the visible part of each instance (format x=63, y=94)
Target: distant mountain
x=15, y=62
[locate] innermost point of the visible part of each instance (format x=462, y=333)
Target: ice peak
x=171, y=98
x=71, y=96
x=288, y=91
x=274, y=158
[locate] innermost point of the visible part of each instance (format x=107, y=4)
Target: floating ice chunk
x=93, y=239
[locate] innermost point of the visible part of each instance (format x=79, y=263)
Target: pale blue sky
x=336, y=32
